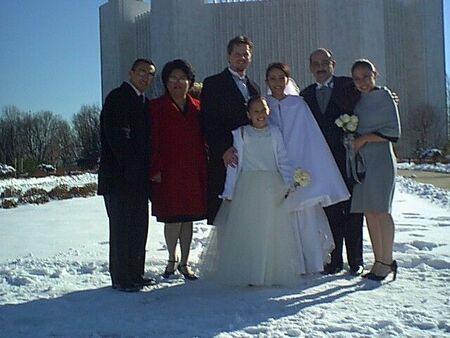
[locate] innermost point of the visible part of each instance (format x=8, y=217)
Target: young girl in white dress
x=307, y=149
x=253, y=241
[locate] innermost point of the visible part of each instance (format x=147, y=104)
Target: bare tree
x=86, y=124
x=44, y=137
x=427, y=127
x=40, y=131
x=10, y=131
x=64, y=146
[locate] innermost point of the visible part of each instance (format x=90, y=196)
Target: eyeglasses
x=144, y=73
x=323, y=63
x=173, y=79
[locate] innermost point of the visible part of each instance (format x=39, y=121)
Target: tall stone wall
x=118, y=40
x=404, y=38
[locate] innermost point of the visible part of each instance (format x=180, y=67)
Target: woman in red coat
x=178, y=164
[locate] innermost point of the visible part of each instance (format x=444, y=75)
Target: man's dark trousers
x=128, y=228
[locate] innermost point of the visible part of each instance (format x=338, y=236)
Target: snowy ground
x=438, y=167
x=54, y=282
x=47, y=183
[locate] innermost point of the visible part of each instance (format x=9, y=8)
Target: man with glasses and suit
x=123, y=177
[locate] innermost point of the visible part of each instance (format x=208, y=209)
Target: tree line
x=29, y=139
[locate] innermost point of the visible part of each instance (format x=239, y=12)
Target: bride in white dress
x=308, y=150
x=253, y=241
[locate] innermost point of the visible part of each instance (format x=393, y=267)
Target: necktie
x=323, y=95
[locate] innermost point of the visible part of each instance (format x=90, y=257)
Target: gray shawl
x=378, y=114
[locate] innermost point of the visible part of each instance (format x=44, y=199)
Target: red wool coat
x=178, y=152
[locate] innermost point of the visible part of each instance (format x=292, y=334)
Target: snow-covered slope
x=54, y=282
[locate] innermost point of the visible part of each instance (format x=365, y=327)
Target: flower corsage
x=301, y=179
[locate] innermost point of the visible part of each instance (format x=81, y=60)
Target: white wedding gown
x=253, y=241
x=307, y=149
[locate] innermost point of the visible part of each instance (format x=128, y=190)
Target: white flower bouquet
x=349, y=123
x=302, y=178
x=355, y=166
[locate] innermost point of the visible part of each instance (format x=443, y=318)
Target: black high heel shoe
x=169, y=272
x=186, y=272
x=393, y=268
x=370, y=273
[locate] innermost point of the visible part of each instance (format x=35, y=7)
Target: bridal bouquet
x=349, y=123
x=355, y=165
x=301, y=179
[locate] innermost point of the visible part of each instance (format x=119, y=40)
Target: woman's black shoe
x=186, y=272
x=393, y=268
x=170, y=269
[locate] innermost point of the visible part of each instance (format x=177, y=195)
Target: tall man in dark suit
x=123, y=176
x=328, y=98
x=223, y=99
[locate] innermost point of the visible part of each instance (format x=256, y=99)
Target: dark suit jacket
x=343, y=99
x=125, y=140
x=223, y=110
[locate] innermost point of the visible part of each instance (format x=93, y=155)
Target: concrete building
x=404, y=38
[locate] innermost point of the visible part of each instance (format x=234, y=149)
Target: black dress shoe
x=330, y=269
x=146, y=281
x=127, y=288
x=357, y=270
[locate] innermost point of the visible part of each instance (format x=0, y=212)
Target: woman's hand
x=358, y=143
x=230, y=157
x=157, y=178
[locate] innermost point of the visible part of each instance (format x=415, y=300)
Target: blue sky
x=50, y=54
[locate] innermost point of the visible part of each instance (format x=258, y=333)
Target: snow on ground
x=427, y=191
x=47, y=183
x=54, y=282
x=438, y=167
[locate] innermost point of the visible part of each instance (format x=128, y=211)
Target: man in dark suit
x=123, y=176
x=328, y=98
x=224, y=97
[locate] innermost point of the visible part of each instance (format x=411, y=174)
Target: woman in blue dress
x=378, y=128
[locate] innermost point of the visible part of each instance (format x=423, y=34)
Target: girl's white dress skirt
x=253, y=241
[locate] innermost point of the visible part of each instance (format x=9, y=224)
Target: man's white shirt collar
x=236, y=74
x=138, y=93
x=328, y=83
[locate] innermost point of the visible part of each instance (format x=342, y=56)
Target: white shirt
x=328, y=83
x=241, y=82
x=138, y=93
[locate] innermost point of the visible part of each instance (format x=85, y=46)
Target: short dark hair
x=323, y=50
x=365, y=63
x=237, y=40
x=182, y=65
x=141, y=60
x=254, y=98
x=281, y=66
